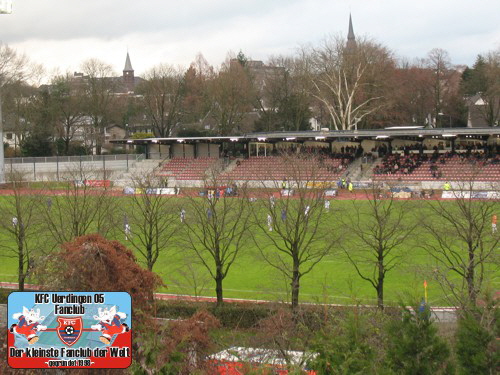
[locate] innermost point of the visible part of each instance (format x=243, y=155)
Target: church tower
x=351, y=39
x=128, y=75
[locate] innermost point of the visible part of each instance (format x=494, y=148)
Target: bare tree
x=349, y=81
x=99, y=88
x=153, y=219
x=19, y=219
x=230, y=95
x=13, y=67
x=162, y=91
x=283, y=330
x=438, y=61
x=461, y=242
x=67, y=100
x=196, y=107
x=189, y=279
x=216, y=228
x=378, y=229
x=78, y=209
x=17, y=107
x=412, y=97
x=283, y=96
x=294, y=235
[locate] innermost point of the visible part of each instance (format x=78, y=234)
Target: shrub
x=232, y=315
x=351, y=343
x=477, y=347
x=413, y=346
x=178, y=347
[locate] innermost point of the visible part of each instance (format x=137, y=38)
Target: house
x=481, y=113
x=114, y=132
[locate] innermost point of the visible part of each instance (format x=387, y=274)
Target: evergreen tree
x=242, y=59
x=36, y=144
x=474, y=80
x=476, y=348
x=349, y=346
x=40, y=116
x=413, y=345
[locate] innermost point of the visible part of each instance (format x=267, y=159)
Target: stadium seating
x=187, y=168
x=262, y=168
x=413, y=168
x=448, y=168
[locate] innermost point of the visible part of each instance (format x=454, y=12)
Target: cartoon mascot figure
x=109, y=323
x=29, y=324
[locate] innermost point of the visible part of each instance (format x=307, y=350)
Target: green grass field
x=333, y=280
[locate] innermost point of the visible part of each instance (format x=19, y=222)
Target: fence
x=57, y=166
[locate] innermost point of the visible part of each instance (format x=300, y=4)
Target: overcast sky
x=61, y=34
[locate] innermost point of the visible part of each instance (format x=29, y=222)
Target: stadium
x=409, y=155
x=275, y=169
x=277, y=184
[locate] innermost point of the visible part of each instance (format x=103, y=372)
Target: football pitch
x=333, y=280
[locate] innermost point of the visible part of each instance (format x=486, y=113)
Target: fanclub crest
x=69, y=330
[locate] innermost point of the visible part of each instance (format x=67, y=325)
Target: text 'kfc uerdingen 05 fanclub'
x=69, y=330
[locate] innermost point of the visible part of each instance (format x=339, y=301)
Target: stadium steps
x=231, y=166
x=368, y=171
x=353, y=170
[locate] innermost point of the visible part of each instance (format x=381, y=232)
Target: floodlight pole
x=2, y=158
x=5, y=9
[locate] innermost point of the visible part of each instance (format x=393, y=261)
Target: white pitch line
x=271, y=293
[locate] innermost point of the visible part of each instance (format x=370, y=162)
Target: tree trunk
x=295, y=285
x=149, y=252
x=21, y=276
x=470, y=279
x=380, y=294
x=218, y=288
x=66, y=146
x=380, y=283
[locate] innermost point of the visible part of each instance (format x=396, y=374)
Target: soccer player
x=270, y=222
x=183, y=215
x=272, y=201
x=127, y=231
x=327, y=205
x=494, y=224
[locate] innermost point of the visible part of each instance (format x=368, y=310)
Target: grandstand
x=398, y=154
x=276, y=168
x=187, y=168
x=449, y=167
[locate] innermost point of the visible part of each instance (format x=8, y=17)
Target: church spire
x=128, y=75
x=351, y=39
x=128, y=64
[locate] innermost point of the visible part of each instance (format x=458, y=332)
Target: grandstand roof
x=330, y=135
